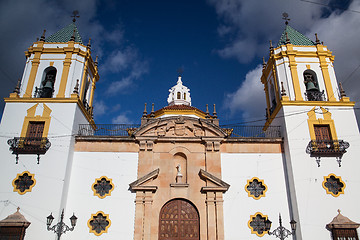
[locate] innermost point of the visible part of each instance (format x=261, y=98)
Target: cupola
x=179, y=94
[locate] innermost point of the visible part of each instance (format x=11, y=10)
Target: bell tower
x=317, y=121
x=40, y=121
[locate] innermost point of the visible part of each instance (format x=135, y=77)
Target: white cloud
x=100, y=108
x=121, y=119
x=249, y=98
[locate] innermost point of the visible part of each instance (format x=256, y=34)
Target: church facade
x=179, y=174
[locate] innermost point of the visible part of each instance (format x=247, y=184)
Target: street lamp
x=281, y=232
x=60, y=227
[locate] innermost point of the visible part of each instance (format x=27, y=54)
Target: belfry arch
x=179, y=220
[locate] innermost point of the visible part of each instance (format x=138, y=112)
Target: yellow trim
x=52, y=64
x=26, y=190
x=34, y=68
x=99, y=180
x=65, y=72
x=84, y=78
x=321, y=121
x=249, y=193
x=252, y=230
x=276, y=84
x=294, y=72
x=74, y=99
x=286, y=102
x=93, y=87
x=307, y=66
x=106, y=228
x=195, y=112
x=30, y=117
x=325, y=71
x=327, y=190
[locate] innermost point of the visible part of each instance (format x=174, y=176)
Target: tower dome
x=179, y=94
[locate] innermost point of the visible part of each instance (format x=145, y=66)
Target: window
x=102, y=187
x=255, y=188
x=34, y=134
x=24, y=182
x=312, y=86
x=178, y=95
x=257, y=224
x=184, y=96
x=46, y=89
x=344, y=234
x=99, y=223
x=333, y=185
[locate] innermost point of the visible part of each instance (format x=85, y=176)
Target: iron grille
x=327, y=148
x=107, y=129
x=315, y=96
x=29, y=145
x=246, y=131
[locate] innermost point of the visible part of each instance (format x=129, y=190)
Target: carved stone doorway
x=179, y=220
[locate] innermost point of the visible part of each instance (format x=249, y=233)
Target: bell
x=310, y=86
x=48, y=84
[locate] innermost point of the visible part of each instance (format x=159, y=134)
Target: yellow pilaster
x=92, y=92
x=65, y=73
x=294, y=73
x=276, y=84
x=325, y=72
x=34, y=67
x=84, y=79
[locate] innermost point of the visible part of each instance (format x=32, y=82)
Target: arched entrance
x=179, y=220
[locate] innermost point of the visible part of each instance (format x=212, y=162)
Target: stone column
x=211, y=216
x=139, y=216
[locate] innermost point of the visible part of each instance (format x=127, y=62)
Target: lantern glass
x=293, y=225
x=267, y=224
x=50, y=219
x=73, y=220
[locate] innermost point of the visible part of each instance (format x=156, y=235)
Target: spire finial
x=17, y=209
x=264, y=63
x=76, y=88
x=89, y=43
x=287, y=38
x=207, y=111
x=152, y=114
x=180, y=71
x=42, y=38
x=145, y=112
x=96, y=60
x=317, y=41
x=17, y=88
x=339, y=211
x=286, y=18
x=342, y=91
x=214, y=113
x=73, y=36
x=283, y=92
x=75, y=15
x=271, y=46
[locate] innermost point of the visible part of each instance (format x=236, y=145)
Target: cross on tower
x=286, y=18
x=75, y=15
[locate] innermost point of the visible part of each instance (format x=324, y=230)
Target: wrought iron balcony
x=107, y=129
x=43, y=92
x=246, y=131
x=327, y=148
x=25, y=145
x=315, y=96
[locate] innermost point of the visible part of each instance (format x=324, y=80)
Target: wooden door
x=179, y=220
x=35, y=130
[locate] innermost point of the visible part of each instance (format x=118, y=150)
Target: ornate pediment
x=141, y=183
x=180, y=127
x=218, y=185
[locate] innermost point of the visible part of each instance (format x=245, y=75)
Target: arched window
x=184, y=96
x=312, y=86
x=179, y=219
x=46, y=89
x=178, y=95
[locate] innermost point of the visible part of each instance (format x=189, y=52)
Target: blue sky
x=218, y=44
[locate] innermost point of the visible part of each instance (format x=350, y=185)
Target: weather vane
x=286, y=18
x=75, y=15
x=180, y=71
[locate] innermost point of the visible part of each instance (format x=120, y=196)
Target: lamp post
x=281, y=232
x=60, y=227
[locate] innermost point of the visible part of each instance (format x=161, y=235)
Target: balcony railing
x=233, y=131
x=107, y=129
x=315, y=96
x=246, y=131
x=25, y=145
x=327, y=148
x=43, y=92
